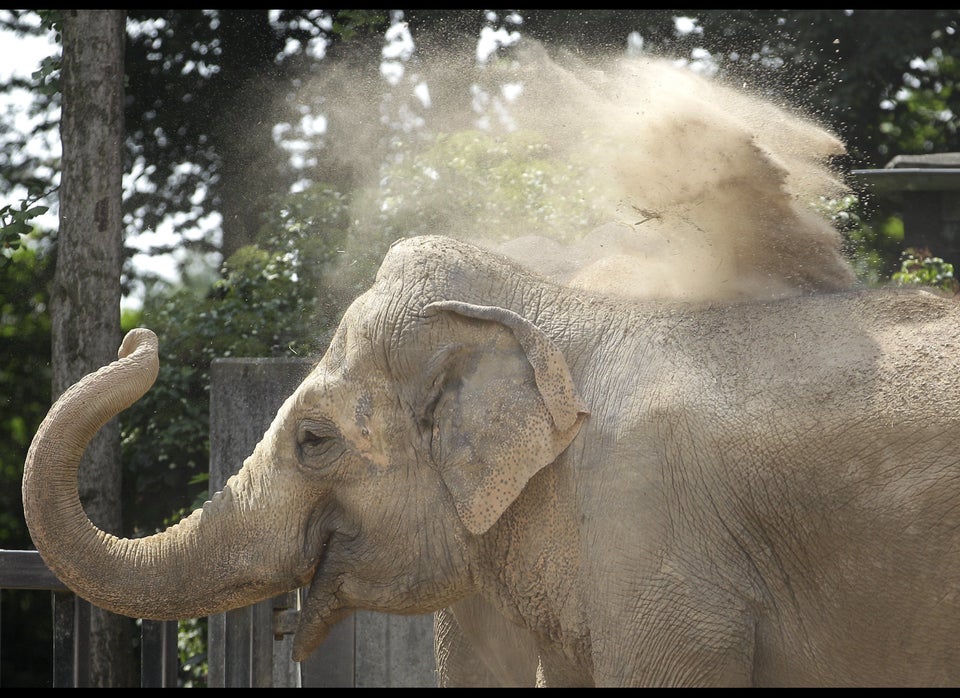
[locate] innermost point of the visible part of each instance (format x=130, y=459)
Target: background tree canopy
x=215, y=95
x=248, y=139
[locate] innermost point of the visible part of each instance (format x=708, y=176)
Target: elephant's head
x=429, y=412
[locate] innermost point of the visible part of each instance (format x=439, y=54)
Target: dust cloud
x=682, y=187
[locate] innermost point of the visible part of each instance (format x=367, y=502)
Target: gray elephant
x=616, y=493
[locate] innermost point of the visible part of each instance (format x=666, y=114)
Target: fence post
x=245, y=394
x=159, y=657
x=71, y=640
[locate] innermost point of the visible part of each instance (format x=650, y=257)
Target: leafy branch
x=920, y=268
x=15, y=223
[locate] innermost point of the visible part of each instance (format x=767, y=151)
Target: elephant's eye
x=318, y=441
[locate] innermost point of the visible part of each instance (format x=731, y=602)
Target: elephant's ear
x=504, y=406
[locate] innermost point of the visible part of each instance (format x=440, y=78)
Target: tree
x=85, y=302
x=229, y=77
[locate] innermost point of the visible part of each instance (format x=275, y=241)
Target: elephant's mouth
x=320, y=608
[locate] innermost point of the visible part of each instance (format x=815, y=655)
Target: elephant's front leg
x=458, y=664
x=476, y=646
x=690, y=635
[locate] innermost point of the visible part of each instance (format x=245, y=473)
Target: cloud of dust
x=699, y=191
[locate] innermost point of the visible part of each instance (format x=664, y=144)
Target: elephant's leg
x=557, y=671
x=476, y=646
x=458, y=664
x=695, y=636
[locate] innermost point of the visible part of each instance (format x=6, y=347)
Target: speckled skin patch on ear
x=506, y=469
x=549, y=366
x=516, y=410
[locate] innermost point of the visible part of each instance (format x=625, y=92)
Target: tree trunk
x=85, y=304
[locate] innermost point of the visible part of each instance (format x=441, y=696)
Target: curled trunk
x=189, y=570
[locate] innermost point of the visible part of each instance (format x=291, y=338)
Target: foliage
x=885, y=79
x=919, y=268
x=15, y=225
x=229, y=77
x=24, y=170
x=871, y=249
x=468, y=184
x=192, y=646
x=25, y=381
x=923, y=119
x=477, y=185
x=25, y=376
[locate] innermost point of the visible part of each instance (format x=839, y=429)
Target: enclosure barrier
x=23, y=569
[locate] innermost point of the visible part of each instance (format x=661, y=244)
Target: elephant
x=588, y=491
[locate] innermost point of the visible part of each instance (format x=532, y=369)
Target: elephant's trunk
x=190, y=570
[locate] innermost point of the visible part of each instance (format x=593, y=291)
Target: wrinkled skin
x=625, y=494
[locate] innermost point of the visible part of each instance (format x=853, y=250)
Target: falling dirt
x=713, y=193
x=695, y=190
